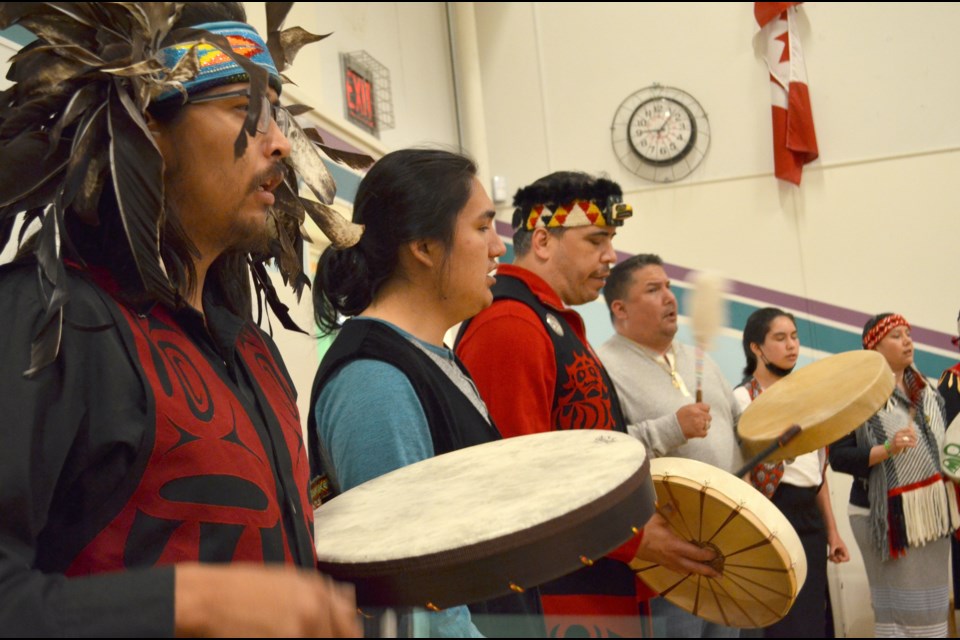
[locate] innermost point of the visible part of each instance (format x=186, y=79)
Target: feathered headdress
x=73, y=123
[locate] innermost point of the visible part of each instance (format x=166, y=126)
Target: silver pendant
x=554, y=324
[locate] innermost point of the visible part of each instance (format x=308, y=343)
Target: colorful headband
x=579, y=213
x=882, y=328
x=215, y=67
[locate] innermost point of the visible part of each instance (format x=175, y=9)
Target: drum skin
x=759, y=554
x=474, y=524
x=828, y=399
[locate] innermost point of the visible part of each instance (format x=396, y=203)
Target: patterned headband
x=579, y=213
x=882, y=328
x=215, y=67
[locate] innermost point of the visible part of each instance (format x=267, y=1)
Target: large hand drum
x=477, y=523
x=759, y=555
x=828, y=399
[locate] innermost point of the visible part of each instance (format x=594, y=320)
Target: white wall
x=409, y=38
x=872, y=223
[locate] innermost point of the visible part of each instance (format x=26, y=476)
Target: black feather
x=27, y=153
x=349, y=158
x=136, y=167
x=85, y=99
x=298, y=109
x=6, y=229
x=276, y=16
x=282, y=311
x=90, y=160
x=13, y=12
x=290, y=41
x=28, y=218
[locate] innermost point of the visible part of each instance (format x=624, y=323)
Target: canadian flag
x=794, y=139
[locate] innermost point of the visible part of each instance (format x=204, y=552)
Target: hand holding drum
x=758, y=561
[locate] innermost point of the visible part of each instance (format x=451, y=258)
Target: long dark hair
x=756, y=330
x=408, y=195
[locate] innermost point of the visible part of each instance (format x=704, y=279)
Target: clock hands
x=659, y=129
x=665, y=121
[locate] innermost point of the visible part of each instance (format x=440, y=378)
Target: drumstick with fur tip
x=707, y=315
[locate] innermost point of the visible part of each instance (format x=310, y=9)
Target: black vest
x=575, y=405
x=454, y=424
x=453, y=420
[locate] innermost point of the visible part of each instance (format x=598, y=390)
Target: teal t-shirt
x=370, y=422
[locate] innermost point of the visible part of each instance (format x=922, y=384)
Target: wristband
x=888, y=447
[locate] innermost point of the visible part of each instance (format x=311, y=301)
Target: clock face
x=660, y=133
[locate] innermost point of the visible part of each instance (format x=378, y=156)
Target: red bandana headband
x=882, y=328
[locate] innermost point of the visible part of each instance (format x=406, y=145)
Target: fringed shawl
x=909, y=503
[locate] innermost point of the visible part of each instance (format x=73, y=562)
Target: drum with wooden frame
x=483, y=521
x=760, y=558
x=828, y=399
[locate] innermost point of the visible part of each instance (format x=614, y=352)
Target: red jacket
x=511, y=358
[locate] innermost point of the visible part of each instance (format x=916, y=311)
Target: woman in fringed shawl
x=902, y=510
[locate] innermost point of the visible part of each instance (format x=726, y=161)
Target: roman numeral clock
x=660, y=133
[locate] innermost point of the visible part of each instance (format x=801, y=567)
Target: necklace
x=669, y=367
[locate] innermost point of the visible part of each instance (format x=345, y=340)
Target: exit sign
x=359, y=98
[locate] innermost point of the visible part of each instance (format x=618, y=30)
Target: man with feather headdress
x=150, y=430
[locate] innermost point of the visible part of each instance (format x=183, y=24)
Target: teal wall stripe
x=347, y=181
x=18, y=34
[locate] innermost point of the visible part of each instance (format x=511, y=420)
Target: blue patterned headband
x=217, y=68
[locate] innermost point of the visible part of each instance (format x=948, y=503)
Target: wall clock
x=660, y=133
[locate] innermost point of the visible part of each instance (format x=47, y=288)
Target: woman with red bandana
x=902, y=511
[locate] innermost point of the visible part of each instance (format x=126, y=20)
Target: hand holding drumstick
x=694, y=420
